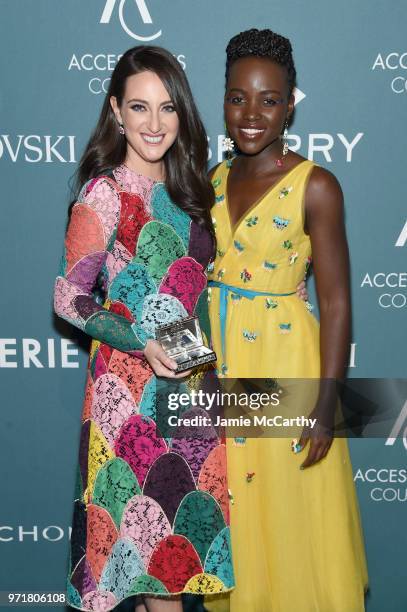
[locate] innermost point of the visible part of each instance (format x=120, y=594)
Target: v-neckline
x=235, y=227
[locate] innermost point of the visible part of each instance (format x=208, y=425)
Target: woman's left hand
x=320, y=436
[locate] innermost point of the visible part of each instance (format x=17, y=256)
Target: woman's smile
x=252, y=133
x=153, y=139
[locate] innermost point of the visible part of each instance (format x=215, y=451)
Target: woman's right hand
x=302, y=291
x=161, y=364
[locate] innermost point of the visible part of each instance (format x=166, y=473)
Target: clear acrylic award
x=183, y=342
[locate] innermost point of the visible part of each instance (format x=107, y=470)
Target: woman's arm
x=324, y=221
x=92, y=226
x=324, y=212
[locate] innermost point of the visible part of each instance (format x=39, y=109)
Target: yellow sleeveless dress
x=297, y=541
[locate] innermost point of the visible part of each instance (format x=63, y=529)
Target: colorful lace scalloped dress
x=296, y=534
x=151, y=512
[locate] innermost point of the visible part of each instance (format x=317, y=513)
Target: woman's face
x=148, y=116
x=256, y=103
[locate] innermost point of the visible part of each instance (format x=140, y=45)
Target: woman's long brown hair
x=186, y=160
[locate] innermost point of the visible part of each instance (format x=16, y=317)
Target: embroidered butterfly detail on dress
x=245, y=275
x=249, y=336
x=250, y=221
x=285, y=328
x=239, y=441
x=287, y=244
x=292, y=258
x=280, y=223
x=268, y=265
x=284, y=192
x=216, y=182
x=219, y=198
x=271, y=303
x=221, y=273
x=238, y=246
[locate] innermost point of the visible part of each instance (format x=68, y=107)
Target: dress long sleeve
x=89, y=244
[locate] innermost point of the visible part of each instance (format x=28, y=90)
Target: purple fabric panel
x=197, y=444
x=200, y=244
x=168, y=481
x=82, y=578
x=83, y=452
x=85, y=271
x=78, y=538
x=86, y=306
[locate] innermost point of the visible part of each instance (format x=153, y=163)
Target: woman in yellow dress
x=297, y=542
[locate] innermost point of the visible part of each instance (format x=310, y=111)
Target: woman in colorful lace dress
x=151, y=512
x=296, y=534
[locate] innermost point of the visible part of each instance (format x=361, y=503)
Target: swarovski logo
x=144, y=14
x=34, y=148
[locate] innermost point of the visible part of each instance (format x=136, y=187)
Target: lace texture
x=174, y=562
x=121, y=569
x=168, y=481
x=199, y=519
x=132, y=219
x=160, y=309
x=197, y=443
x=145, y=523
x=134, y=183
x=184, y=280
x=139, y=445
x=117, y=259
x=164, y=209
x=151, y=509
x=115, y=484
x=101, y=537
x=158, y=247
x=218, y=561
x=112, y=405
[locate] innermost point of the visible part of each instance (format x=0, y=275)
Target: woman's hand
x=302, y=291
x=321, y=435
x=161, y=364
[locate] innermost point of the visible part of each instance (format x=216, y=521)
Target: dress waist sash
x=223, y=306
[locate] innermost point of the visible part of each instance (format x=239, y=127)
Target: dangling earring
x=285, y=135
x=121, y=128
x=280, y=161
x=228, y=146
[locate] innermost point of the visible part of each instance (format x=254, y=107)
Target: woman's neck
x=261, y=163
x=153, y=170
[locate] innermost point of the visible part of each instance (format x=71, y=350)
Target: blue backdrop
x=57, y=56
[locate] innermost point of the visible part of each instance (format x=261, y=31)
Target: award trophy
x=183, y=342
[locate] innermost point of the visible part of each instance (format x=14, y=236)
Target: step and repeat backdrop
x=57, y=57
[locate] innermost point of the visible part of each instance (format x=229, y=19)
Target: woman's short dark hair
x=262, y=43
x=186, y=160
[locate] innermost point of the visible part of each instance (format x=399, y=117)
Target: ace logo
x=143, y=12
x=402, y=239
x=397, y=430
